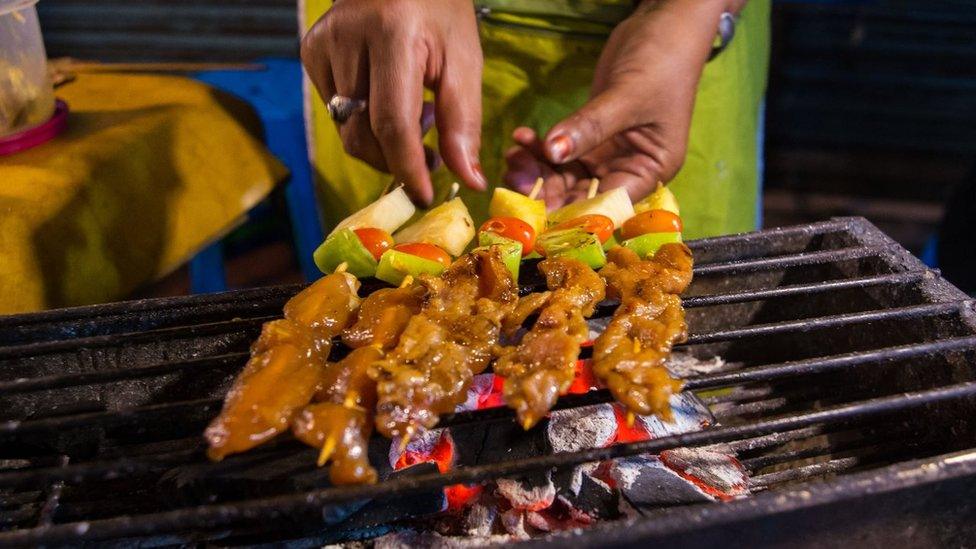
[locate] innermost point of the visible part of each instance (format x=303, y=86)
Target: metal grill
x=854, y=368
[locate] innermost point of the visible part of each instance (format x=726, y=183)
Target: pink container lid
x=37, y=135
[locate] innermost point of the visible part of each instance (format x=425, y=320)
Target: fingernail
x=560, y=147
x=479, y=175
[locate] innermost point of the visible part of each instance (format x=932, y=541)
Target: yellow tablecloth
x=150, y=170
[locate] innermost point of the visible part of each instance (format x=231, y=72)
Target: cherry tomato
x=376, y=241
x=651, y=221
x=426, y=251
x=512, y=228
x=599, y=225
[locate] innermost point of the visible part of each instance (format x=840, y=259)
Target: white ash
x=480, y=519
x=683, y=364
x=582, y=469
x=409, y=539
x=513, y=521
x=521, y=495
x=582, y=428
x=688, y=413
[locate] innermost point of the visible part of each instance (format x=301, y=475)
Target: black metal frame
x=881, y=292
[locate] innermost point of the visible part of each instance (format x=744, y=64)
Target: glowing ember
x=631, y=433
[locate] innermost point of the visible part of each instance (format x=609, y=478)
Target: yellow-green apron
x=539, y=60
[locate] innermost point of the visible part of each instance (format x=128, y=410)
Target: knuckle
x=388, y=127
x=591, y=125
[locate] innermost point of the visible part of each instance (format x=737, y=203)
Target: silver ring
x=726, y=31
x=342, y=107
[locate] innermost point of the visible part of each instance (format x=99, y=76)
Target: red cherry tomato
x=651, y=221
x=512, y=228
x=426, y=251
x=376, y=241
x=600, y=225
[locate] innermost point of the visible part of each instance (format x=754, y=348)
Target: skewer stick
x=407, y=280
x=630, y=419
x=455, y=187
x=405, y=440
x=327, y=449
x=536, y=189
x=341, y=268
x=594, y=187
x=527, y=423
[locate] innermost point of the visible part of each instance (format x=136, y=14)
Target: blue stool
x=276, y=95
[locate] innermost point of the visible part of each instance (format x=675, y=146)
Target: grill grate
x=850, y=357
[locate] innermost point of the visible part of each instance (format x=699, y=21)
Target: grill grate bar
x=791, y=260
x=24, y=385
x=832, y=321
x=226, y=514
x=200, y=406
x=903, y=278
x=763, y=482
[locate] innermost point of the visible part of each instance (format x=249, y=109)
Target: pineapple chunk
x=661, y=199
x=388, y=213
x=449, y=226
x=506, y=203
x=614, y=204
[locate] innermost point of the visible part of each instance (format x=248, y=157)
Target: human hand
x=633, y=132
x=387, y=52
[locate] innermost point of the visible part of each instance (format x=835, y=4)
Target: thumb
x=603, y=116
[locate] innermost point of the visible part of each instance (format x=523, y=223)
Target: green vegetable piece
x=646, y=245
x=511, y=252
x=395, y=266
x=344, y=246
x=610, y=243
x=575, y=244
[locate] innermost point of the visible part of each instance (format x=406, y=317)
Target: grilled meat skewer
x=454, y=337
x=541, y=367
x=340, y=421
x=287, y=366
x=629, y=355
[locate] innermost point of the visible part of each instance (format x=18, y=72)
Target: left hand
x=633, y=132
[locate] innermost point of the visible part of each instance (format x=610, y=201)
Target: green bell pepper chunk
x=344, y=247
x=610, y=243
x=395, y=266
x=511, y=253
x=574, y=243
x=647, y=245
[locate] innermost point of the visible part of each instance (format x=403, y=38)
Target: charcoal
x=646, y=481
x=719, y=471
x=582, y=428
x=593, y=497
x=689, y=414
x=528, y=492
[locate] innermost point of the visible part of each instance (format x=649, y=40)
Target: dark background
x=870, y=109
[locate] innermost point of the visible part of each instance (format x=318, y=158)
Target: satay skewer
x=594, y=188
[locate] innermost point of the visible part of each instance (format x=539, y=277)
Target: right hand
x=388, y=51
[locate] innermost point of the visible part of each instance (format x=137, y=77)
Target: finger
x=458, y=116
x=524, y=168
x=396, y=106
x=600, y=118
x=639, y=182
x=350, y=74
x=315, y=59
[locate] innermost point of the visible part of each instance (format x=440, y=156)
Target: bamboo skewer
x=594, y=187
x=536, y=189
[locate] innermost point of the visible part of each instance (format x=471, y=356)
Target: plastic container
x=26, y=93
